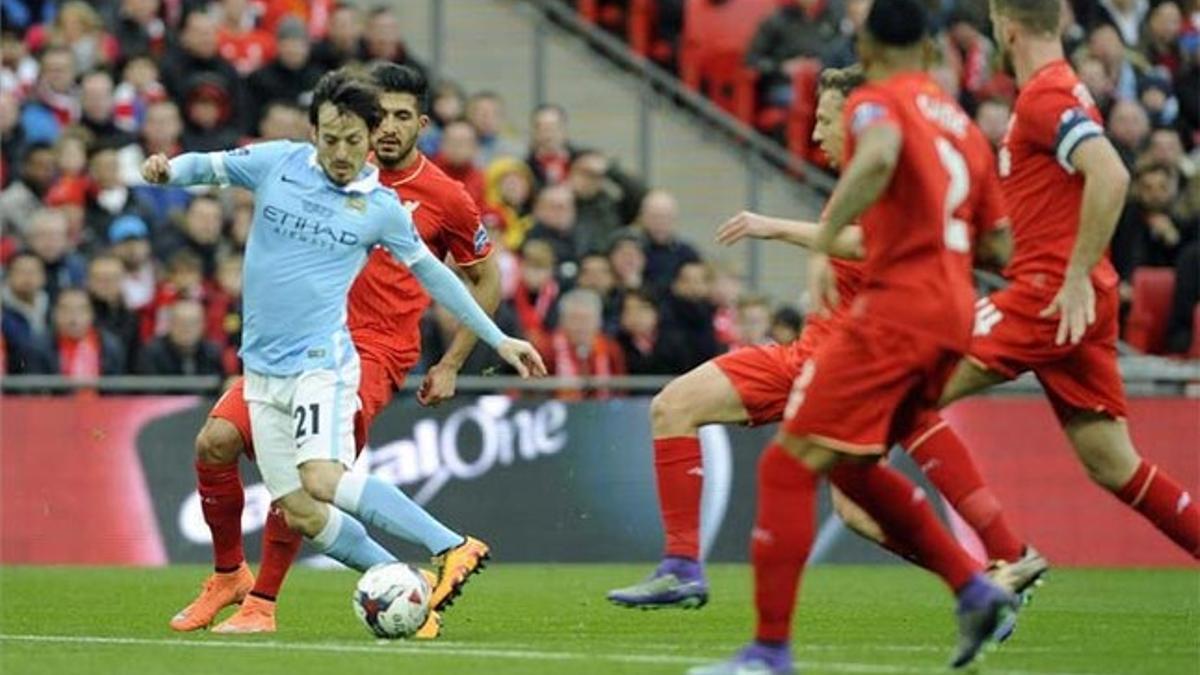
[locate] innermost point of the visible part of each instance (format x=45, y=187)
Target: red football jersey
x=847, y=276
x=918, y=243
x=386, y=301
x=1053, y=114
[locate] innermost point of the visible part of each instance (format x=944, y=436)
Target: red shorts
x=380, y=379
x=864, y=387
x=1010, y=338
x=762, y=377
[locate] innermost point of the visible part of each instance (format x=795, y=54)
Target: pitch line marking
x=453, y=649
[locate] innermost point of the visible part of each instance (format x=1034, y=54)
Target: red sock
x=221, y=500
x=1163, y=502
x=950, y=467
x=680, y=475
x=280, y=546
x=783, y=533
x=902, y=510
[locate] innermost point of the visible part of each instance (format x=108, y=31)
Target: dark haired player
x=861, y=391
x=385, y=306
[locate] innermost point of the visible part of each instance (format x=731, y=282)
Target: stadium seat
x=803, y=113
x=712, y=56
x=1146, y=327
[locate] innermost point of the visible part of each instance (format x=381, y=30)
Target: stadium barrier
x=108, y=480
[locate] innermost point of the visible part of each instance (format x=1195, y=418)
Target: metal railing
x=1143, y=376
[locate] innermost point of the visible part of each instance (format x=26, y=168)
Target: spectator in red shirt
x=79, y=28
x=535, y=300
x=578, y=348
x=239, y=40
x=77, y=349
x=457, y=158
x=550, y=151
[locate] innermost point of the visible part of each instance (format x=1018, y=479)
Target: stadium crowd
x=104, y=275
x=1140, y=59
x=107, y=276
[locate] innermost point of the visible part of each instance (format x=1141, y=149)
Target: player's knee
x=319, y=481
x=302, y=521
x=216, y=444
x=669, y=410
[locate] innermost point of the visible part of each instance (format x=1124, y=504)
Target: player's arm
x=483, y=281
x=1106, y=182
x=245, y=167
x=802, y=233
x=866, y=177
x=400, y=238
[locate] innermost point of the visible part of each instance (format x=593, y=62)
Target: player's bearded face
x=396, y=136
x=343, y=141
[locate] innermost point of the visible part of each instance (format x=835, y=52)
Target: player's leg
x=326, y=446
x=1087, y=393
x=382, y=373
x=332, y=532
x=841, y=412
x=219, y=445
x=748, y=385
x=281, y=544
x=1107, y=452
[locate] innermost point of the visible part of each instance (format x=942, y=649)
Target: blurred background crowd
x=104, y=275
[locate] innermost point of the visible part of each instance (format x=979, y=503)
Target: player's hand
x=156, y=169
x=744, y=224
x=1075, y=303
x=522, y=356
x=438, y=386
x=822, y=287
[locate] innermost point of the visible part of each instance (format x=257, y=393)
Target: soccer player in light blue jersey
x=318, y=212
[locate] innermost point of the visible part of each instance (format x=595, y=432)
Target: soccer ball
x=392, y=600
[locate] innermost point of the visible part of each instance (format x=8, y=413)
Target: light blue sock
x=346, y=540
x=388, y=508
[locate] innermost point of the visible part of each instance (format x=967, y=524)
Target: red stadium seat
x=712, y=56
x=589, y=10
x=640, y=30
x=802, y=116
x=1146, y=327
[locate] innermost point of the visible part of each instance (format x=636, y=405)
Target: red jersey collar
x=394, y=178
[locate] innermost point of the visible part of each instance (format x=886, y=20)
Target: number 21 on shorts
x=308, y=421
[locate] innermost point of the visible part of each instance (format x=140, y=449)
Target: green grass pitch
x=553, y=619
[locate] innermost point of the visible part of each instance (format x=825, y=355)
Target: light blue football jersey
x=308, y=240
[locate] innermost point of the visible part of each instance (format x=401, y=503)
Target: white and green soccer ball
x=392, y=600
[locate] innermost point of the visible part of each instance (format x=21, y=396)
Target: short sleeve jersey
x=917, y=268
x=387, y=301
x=1053, y=115
x=308, y=240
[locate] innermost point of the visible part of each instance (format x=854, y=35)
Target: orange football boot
x=256, y=615
x=433, y=623
x=455, y=567
x=220, y=591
